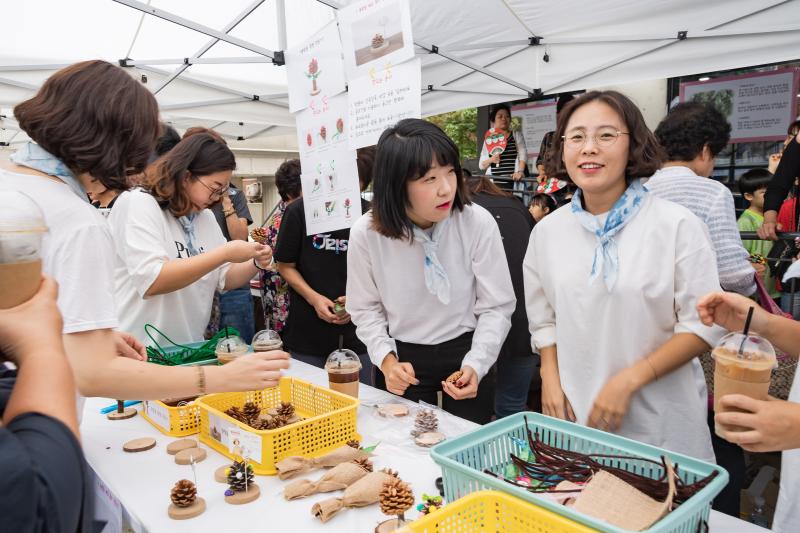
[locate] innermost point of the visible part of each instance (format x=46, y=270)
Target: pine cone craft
x=366, y=464
x=285, y=409
x=259, y=235
x=274, y=422
x=240, y=476
x=396, y=497
x=184, y=493
x=425, y=422
x=251, y=412
x=237, y=414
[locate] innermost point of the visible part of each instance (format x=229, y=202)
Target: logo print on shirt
x=181, y=248
x=325, y=242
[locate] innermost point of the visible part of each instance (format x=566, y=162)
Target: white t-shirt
x=666, y=262
x=787, y=512
x=76, y=252
x=146, y=237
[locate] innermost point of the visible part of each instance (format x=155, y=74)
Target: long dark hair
x=484, y=185
x=645, y=155
x=200, y=154
x=96, y=119
x=405, y=153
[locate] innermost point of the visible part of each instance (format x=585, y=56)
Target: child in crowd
x=541, y=205
x=428, y=287
x=753, y=185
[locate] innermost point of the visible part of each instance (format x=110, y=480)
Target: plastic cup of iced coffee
x=230, y=348
x=22, y=229
x=343, y=367
x=267, y=340
x=743, y=364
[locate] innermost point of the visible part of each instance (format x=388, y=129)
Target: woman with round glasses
x=170, y=252
x=615, y=323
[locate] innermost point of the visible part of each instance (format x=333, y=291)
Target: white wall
x=650, y=96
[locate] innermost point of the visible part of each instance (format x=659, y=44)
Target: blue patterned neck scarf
x=606, y=254
x=436, y=279
x=33, y=156
x=187, y=223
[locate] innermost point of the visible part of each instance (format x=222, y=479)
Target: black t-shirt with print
x=322, y=261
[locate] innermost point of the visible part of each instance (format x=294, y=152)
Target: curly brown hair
x=195, y=156
x=645, y=155
x=96, y=119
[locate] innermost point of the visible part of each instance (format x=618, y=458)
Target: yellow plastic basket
x=173, y=421
x=491, y=511
x=329, y=422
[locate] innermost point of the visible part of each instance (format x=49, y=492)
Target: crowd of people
x=605, y=300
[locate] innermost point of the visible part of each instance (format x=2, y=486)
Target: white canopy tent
x=218, y=64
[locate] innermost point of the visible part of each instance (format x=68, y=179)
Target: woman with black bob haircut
x=427, y=286
x=615, y=324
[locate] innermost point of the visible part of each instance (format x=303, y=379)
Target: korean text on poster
x=537, y=119
x=381, y=99
x=315, y=69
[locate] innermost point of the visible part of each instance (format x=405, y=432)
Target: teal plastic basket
x=464, y=458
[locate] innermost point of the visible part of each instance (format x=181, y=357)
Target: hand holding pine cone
x=259, y=235
x=184, y=493
x=396, y=497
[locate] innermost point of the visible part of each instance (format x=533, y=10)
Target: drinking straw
x=746, y=328
x=129, y=403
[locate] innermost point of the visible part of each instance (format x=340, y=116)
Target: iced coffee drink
x=229, y=348
x=343, y=367
x=742, y=365
x=267, y=340
x=22, y=228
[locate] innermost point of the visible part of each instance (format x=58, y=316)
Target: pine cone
x=425, y=422
x=251, y=412
x=274, y=422
x=391, y=472
x=285, y=409
x=184, y=493
x=364, y=463
x=240, y=476
x=354, y=444
x=237, y=414
x=259, y=235
x=377, y=41
x=396, y=497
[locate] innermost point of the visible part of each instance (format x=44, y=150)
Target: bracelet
x=271, y=262
x=201, y=380
x=229, y=213
x=655, y=374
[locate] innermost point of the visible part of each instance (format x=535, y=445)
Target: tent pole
x=186, y=23
x=206, y=47
x=20, y=84
x=196, y=61
x=280, y=6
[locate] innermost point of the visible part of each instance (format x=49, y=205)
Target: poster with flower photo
x=331, y=193
x=375, y=34
x=315, y=70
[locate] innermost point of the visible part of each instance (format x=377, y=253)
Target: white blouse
x=666, y=262
x=387, y=297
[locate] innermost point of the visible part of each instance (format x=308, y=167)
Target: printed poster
x=375, y=33
x=537, y=119
x=759, y=106
x=315, y=69
x=381, y=99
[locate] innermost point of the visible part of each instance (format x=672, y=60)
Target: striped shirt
x=712, y=202
x=508, y=159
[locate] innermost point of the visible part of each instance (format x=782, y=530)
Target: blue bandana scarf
x=436, y=279
x=606, y=255
x=33, y=156
x=187, y=223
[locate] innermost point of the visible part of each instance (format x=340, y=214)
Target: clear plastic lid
x=267, y=339
x=748, y=350
x=232, y=344
x=18, y=213
x=343, y=360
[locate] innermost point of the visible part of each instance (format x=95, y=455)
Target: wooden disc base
x=139, y=445
x=221, y=474
x=184, y=457
x=239, y=498
x=180, y=445
x=128, y=412
x=184, y=513
x=390, y=525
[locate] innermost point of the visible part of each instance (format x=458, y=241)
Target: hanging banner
x=380, y=100
x=375, y=33
x=315, y=69
x=759, y=106
x=537, y=119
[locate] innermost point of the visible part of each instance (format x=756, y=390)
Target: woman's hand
x=554, y=402
x=495, y=159
x=729, y=310
x=256, y=371
x=516, y=176
x=769, y=228
x=611, y=404
x=771, y=425
x=264, y=257
x=238, y=251
x=465, y=387
x=128, y=346
x=398, y=376
x=324, y=308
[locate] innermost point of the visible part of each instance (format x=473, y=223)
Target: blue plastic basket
x=464, y=458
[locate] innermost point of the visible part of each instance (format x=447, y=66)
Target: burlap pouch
x=363, y=492
x=339, y=477
x=295, y=465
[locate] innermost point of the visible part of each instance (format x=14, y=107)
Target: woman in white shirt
x=615, y=319
x=428, y=286
x=170, y=252
x=91, y=124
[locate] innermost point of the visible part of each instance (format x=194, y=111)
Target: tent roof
x=488, y=50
